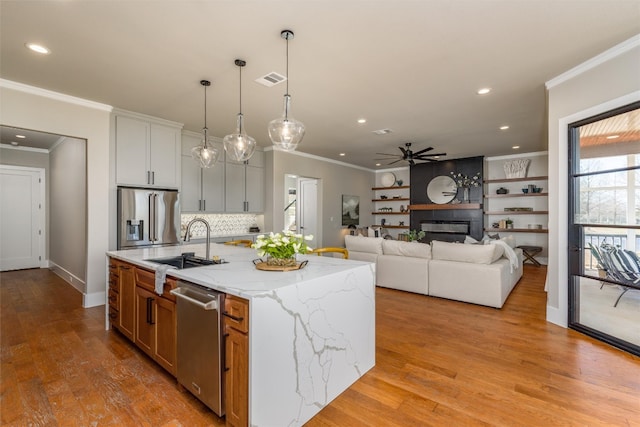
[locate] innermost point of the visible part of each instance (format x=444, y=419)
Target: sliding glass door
x=604, y=227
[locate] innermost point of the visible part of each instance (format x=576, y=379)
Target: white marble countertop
x=239, y=275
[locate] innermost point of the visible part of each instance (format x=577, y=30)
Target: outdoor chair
x=622, y=266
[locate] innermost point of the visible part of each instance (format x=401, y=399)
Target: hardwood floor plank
x=438, y=363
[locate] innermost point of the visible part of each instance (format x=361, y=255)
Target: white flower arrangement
x=282, y=245
x=463, y=181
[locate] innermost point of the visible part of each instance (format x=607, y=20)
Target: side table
x=529, y=252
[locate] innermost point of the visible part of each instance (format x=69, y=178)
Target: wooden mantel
x=434, y=207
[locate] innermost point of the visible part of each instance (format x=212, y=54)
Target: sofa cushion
x=363, y=244
x=410, y=249
x=475, y=254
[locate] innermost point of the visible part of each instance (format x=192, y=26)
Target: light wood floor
x=438, y=362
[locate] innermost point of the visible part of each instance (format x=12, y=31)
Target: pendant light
x=239, y=146
x=286, y=132
x=206, y=154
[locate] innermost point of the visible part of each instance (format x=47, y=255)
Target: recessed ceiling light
x=505, y=127
x=342, y=154
x=515, y=147
x=20, y=136
x=361, y=121
x=484, y=91
x=613, y=136
x=378, y=164
x=14, y=143
x=436, y=157
x=38, y=48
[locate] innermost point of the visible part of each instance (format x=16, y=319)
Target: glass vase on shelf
x=465, y=194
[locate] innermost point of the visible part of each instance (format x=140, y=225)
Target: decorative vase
x=281, y=262
x=465, y=194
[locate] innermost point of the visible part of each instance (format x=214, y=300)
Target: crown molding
x=322, y=159
x=21, y=87
x=20, y=148
x=605, y=56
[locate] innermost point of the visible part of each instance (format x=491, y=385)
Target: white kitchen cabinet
x=244, y=185
x=202, y=189
x=147, y=152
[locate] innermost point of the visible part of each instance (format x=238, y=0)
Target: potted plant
x=415, y=235
x=509, y=222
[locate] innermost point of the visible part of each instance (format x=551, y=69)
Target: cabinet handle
x=148, y=178
x=150, y=311
x=224, y=361
x=153, y=177
x=204, y=204
x=231, y=316
x=125, y=267
x=113, y=316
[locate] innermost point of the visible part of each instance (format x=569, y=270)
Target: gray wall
x=31, y=108
x=68, y=219
x=335, y=178
x=614, y=82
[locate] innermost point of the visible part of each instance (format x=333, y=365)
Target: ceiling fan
x=410, y=156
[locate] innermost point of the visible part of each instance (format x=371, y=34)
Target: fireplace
x=444, y=230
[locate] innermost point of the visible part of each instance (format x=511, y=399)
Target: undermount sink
x=186, y=260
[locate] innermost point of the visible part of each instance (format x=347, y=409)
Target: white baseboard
x=94, y=299
x=68, y=277
x=557, y=316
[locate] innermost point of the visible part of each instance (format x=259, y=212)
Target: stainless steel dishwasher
x=200, y=343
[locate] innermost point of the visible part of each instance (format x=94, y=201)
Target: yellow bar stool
x=343, y=251
x=245, y=243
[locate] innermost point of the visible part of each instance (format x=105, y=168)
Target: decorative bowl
x=525, y=190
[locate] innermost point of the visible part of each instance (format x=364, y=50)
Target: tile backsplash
x=221, y=224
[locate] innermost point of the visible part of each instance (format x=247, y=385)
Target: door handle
x=575, y=248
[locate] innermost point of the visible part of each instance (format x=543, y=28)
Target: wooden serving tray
x=261, y=265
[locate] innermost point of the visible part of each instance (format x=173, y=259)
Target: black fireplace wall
x=422, y=174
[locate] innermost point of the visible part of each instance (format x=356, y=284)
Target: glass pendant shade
x=239, y=146
x=206, y=154
x=286, y=132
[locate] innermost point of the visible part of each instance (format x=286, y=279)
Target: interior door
x=21, y=224
x=308, y=214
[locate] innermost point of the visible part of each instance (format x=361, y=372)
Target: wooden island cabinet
x=146, y=318
x=236, y=380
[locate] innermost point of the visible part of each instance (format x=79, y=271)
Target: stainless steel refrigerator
x=148, y=217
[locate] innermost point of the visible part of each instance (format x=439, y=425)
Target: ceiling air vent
x=382, y=131
x=271, y=79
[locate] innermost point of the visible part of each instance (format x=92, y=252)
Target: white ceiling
x=411, y=66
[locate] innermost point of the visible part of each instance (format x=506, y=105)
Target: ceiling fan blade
x=429, y=155
x=411, y=162
x=387, y=154
x=422, y=151
x=404, y=152
x=399, y=160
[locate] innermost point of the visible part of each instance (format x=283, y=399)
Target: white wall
x=599, y=85
x=336, y=179
x=32, y=108
x=68, y=219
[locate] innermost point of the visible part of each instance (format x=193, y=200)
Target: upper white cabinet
x=202, y=188
x=244, y=185
x=147, y=151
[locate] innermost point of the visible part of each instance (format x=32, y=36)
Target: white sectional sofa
x=478, y=274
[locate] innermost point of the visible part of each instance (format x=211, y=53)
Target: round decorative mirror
x=442, y=189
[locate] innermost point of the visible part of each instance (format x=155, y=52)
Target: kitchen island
x=311, y=331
